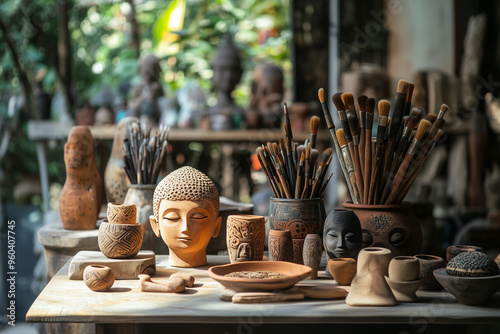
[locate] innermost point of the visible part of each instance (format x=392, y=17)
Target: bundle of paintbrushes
x=144, y=153
x=382, y=173
x=296, y=172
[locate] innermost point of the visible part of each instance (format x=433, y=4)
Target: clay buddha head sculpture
x=186, y=215
x=342, y=236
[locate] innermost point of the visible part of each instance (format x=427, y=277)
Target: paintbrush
x=331, y=128
x=307, y=168
x=353, y=124
x=384, y=107
x=314, y=124
x=398, y=179
x=300, y=173
x=349, y=165
x=370, y=107
x=288, y=133
x=270, y=161
x=281, y=170
x=442, y=112
x=362, y=131
x=325, y=184
x=265, y=167
x=398, y=109
x=337, y=101
x=348, y=101
x=414, y=174
x=409, y=95
x=320, y=173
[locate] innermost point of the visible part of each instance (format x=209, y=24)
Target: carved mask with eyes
x=342, y=234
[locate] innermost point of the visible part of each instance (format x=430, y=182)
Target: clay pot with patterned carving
x=311, y=253
x=453, y=251
x=280, y=245
x=246, y=237
x=98, y=278
x=121, y=213
x=119, y=241
x=394, y=227
x=429, y=263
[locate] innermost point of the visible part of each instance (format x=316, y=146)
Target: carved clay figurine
x=246, y=236
x=186, y=215
x=342, y=236
x=81, y=196
x=115, y=178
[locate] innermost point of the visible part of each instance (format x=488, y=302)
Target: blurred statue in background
x=225, y=114
x=144, y=101
x=266, y=97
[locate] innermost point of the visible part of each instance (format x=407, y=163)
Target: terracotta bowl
x=343, y=270
x=468, y=290
x=295, y=273
x=120, y=241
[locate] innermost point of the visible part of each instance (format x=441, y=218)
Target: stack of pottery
x=246, y=236
x=300, y=216
x=120, y=237
x=404, y=278
x=369, y=287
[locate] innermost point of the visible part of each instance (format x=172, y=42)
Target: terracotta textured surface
x=120, y=240
x=246, y=236
x=280, y=245
x=98, y=278
x=121, y=213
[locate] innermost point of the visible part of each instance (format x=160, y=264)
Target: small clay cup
x=404, y=269
x=119, y=213
x=404, y=291
x=98, y=278
x=429, y=263
x=298, y=247
x=120, y=241
x=312, y=252
x=280, y=245
x=453, y=251
x=384, y=257
x=343, y=270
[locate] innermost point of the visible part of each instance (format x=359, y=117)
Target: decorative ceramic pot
x=119, y=241
x=246, y=237
x=453, y=251
x=404, y=269
x=311, y=253
x=429, y=263
x=394, y=227
x=343, y=270
x=468, y=290
x=369, y=287
x=300, y=216
x=280, y=245
x=142, y=196
x=98, y=278
x=121, y=213
x=298, y=247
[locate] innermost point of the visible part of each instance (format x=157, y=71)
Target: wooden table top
x=64, y=300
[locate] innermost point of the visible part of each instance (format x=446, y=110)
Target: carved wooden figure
x=81, y=196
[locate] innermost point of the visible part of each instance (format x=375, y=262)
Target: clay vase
x=121, y=213
x=343, y=270
x=246, y=237
x=115, y=178
x=429, y=263
x=404, y=269
x=394, y=227
x=81, y=196
x=280, y=245
x=298, y=247
x=98, y=278
x=453, y=251
x=142, y=196
x=311, y=253
x=300, y=216
x=369, y=287
x=119, y=241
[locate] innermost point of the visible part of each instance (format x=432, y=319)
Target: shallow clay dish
x=468, y=290
x=295, y=273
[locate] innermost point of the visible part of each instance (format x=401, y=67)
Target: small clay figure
x=144, y=100
x=186, y=215
x=81, y=197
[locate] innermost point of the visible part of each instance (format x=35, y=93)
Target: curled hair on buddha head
x=186, y=184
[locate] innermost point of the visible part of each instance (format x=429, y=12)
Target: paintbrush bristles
x=370, y=105
x=362, y=102
x=403, y=86
x=422, y=129
x=418, y=113
x=384, y=107
x=438, y=135
x=321, y=95
x=409, y=93
x=341, y=137
x=353, y=124
x=337, y=101
x=347, y=99
x=314, y=123
x=431, y=118
x=308, y=152
x=443, y=110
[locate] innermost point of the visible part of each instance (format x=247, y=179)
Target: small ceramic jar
x=311, y=254
x=453, y=251
x=343, y=270
x=120, y=241
x=429, y=263
x=280, y=245
x=121, y=213
x=98, y=278
x=404, y=269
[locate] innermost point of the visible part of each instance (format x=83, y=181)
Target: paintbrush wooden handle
x=338, y=151
x=398, y=179
x=357, y=170
x=380, y=148
x=352, y=178
x=368, y=165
